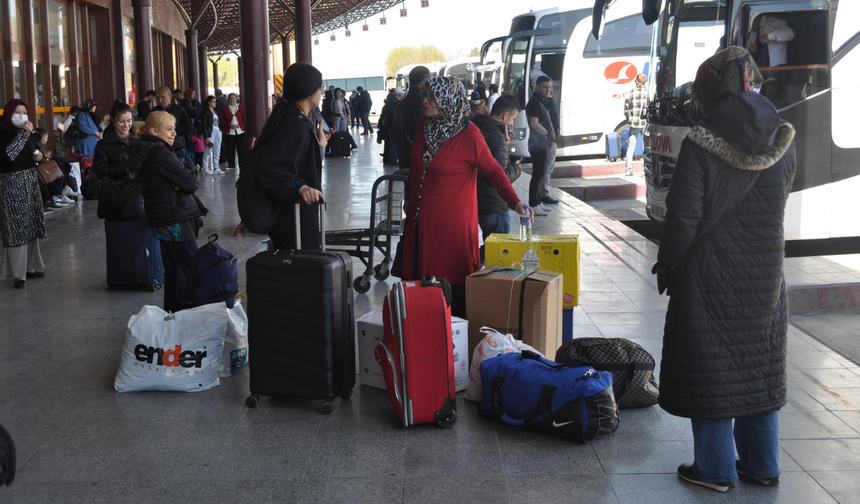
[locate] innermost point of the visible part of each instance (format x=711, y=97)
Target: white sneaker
x=545, y=208
x=206, y=172
x=539, y=210
x=58, y=201
x=219, y=171
x=66, y=200
x=67, y=191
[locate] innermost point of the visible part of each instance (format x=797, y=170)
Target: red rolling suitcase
x=417, y=352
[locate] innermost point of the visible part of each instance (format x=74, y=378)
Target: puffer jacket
x=724, y=343
x=168, y=184
x=111, y=155
x=489, y=201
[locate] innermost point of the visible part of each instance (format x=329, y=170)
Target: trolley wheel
x=448, y=422
x=381, y=272
x=326, y=408
x=361, y=284
x=346, y=395
x=252, y=401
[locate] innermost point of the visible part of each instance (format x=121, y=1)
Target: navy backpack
x=528, y=390
x=213, y=277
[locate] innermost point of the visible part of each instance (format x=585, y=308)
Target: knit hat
x=301, y=80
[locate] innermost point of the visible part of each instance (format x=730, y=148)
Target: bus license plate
x=657, y=212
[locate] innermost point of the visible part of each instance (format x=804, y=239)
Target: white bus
x=402, y=76
x=815, y=91
x=591, y=78
x=374, y=85
x=463, y=69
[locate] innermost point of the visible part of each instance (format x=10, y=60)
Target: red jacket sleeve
x=488, y=165
x=223, y=117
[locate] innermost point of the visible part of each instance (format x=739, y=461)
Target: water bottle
x=526, y=225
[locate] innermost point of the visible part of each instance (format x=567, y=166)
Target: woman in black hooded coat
x=724, y=344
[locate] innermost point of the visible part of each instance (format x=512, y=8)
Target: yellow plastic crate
x=559, y=253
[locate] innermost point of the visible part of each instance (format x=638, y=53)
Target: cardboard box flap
x=544, y=276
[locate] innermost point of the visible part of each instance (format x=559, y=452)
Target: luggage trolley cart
x=386, y=216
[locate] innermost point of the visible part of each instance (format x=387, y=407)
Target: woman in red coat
x=441, y=233
x=233, y=122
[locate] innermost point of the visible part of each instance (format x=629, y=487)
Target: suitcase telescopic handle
x=390, y=357
x=298, y=214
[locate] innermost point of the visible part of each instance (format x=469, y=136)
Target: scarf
x=453, y=117
x=233, y=108
x=9, y=111
x=728, y=72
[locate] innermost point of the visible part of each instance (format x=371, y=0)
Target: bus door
x=796, y=78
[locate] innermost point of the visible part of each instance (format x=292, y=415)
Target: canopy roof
x=217, y=21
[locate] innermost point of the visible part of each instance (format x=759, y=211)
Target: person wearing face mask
x=173, y=212
x=111, y=164
x=289, y=156
x=22, y=221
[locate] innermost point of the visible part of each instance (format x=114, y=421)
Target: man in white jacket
x=767, y=41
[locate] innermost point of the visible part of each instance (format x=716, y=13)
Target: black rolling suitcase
x=301, y=324
x=339, y=145
x=133, y=256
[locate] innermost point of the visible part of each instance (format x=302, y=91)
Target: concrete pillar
x=7, y=49
x=74, y=92
x=48, y=83
x=254, y=64
x=28, y=66
x=143, y=46
x=191, y=56
x=118, y=63
x=203, y=63
x=241, y=82
x=86, y=63
x=215, y=75
x=304, y=44
x=285, y=49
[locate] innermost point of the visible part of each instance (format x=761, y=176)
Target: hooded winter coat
x=489, y=201
x=168, y=184
x=724, y=344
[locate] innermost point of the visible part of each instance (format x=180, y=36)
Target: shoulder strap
x=701, y=239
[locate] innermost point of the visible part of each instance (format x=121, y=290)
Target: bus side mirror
x=650, y=10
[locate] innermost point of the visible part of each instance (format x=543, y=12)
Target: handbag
x=48, y=172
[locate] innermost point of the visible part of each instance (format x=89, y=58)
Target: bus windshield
x=688, y=33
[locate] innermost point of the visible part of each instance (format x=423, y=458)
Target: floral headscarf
x=453, y=105
x=728, y=72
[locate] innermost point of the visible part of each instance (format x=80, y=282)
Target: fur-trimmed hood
x=745, y=131
x=139, y=152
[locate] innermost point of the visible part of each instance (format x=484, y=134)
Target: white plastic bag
x=493, y=345
x=173, y=351
x=236, y=342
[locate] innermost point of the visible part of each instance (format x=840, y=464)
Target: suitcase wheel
x=448, y=422
x=346, y=395
x=381, y=272
x=326, y=408
x=361, y=284
x=252, y=401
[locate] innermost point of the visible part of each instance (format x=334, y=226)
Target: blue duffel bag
x=527, y=390
x=212, y=278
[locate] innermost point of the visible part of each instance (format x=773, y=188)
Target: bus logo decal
x=620, y=72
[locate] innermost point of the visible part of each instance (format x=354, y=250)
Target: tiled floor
x=80, y=441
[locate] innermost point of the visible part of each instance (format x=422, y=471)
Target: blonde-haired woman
x=173, y=213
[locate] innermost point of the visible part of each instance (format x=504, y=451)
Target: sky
x=454, y=26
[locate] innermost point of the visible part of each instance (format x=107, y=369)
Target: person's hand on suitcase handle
x=311, y=195
x=521, y=209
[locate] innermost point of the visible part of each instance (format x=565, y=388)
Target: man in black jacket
x=492, y=210
x=183, y=124
x=406, y=116
x=386, y=127
x=145, y=106
x=363, y=104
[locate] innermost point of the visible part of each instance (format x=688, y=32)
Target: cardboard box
x=493, y=299
x=559, y=253
x=370, y=331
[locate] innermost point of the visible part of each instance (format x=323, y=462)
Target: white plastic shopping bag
x=173, y=351
x=236, y=342
x=493, y=345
